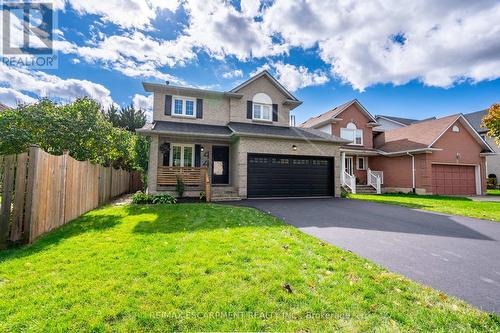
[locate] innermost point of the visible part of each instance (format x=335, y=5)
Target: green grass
x=204, y=267
x=493, y=192
x=450, y=205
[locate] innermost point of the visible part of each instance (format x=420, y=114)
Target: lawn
x=204, y=267
x=493, y=192
x=450, y=205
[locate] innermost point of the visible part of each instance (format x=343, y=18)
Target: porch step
x=225, y=194
x=362, y=189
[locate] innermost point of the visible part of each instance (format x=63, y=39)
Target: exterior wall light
x=294, y=147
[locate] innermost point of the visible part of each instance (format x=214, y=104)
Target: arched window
x=262, y=107
x=352, y=133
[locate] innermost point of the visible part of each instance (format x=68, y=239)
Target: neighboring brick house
x=492, y=161
x=436, y=156
x=242, y=140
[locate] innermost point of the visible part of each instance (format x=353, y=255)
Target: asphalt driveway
x=458, y=255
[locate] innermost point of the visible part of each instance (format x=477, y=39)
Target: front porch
x=203, y=167
x=356, y=175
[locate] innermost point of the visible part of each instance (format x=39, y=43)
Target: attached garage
x=289, y=176
x=453, y=179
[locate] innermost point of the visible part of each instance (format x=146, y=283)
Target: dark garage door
x=289, y=176
x=453, y=179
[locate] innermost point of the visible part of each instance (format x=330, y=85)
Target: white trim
x=270, y=106
x=478, y=180
x=182, y=145
x=351, y=168
x=365, y=162
x=355, y=133
x=184, y=100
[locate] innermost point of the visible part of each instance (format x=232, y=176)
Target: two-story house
x=433, y=156
x=238, y=143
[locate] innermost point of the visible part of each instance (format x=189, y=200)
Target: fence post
x=30, y=192
x=8, y=186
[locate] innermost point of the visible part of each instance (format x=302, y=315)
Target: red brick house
x=436, y=156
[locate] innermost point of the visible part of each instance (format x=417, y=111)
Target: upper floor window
x=262, y=107
x=352, y=133
x=184, y=107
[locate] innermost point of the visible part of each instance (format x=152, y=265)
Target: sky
x=415, y=59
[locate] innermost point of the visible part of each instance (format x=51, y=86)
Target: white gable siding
x=386, y=125
x=326, y=129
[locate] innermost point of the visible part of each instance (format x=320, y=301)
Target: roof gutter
x=411, y=151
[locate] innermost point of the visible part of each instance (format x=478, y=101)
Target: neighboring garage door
x=289, y=176
x=453, y=179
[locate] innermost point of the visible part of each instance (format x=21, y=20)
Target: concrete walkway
x=458, y=255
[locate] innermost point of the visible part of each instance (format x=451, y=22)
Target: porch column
x=343, y=167
x=153, y=164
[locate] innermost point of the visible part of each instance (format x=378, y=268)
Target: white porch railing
x=349, y=181
x=375, y=179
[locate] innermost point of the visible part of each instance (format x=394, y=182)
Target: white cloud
x=51, y=86
x=370, y=42
x=250, y=8
x=217, y=28
x=294, y=78
x=233, y=74
x=143, y=102
x=12, y=97
x=125, y=13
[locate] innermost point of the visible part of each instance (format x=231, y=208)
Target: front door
x=220, y=165
x=348, y=165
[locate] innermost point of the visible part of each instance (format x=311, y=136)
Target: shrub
x=491, y=183
x=142, y=198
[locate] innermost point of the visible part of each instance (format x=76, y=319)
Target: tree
x=492, y=122
x=127, y=117
x=78, y=127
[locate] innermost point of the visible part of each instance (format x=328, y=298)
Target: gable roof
x=424, y=134
x=330, y=116
x=271, y=78
x=402, y=121
x=476, y=119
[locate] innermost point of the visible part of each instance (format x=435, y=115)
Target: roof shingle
x=416, y=136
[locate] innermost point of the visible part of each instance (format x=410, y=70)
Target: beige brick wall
x=215, y=110
x=261, y=85
x=283, y=147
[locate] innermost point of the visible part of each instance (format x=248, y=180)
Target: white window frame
x=182, y=146
x=351, y=133
x=365, y=160
x=184, y=100
x=261, y=118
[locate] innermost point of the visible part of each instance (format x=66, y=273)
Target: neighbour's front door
x=220, y=165
x=348, y=165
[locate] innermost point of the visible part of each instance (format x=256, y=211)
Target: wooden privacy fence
x=40, y=192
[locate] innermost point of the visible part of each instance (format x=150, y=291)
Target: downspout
x=412, y=172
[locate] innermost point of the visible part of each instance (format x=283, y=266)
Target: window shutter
x=165, y=149
x=275, y=112
x=199, y=108
x=168, y=105
x=249, y=109
x=197, y=155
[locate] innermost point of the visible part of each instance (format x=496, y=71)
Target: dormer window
x=184, y=107
x=262, y=107
x=352, y=133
